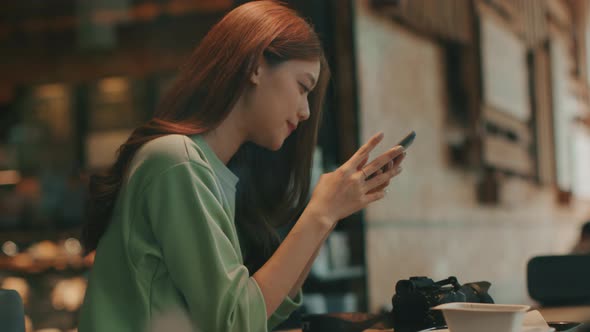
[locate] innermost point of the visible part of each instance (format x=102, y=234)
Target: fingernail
x=399, y=169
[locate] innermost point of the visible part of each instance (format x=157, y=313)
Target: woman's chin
x=272, y=145
x=277, y=145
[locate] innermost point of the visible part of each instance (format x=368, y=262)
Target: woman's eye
x=304, y=89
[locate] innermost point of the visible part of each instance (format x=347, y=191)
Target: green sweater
x=172, y=244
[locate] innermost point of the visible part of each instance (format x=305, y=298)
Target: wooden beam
x=560, y=12
x=559, y=17
x=97, y=15
x=446, y=20
x=585, y=120
x=133, y=53
x=72, y=68
x=472, y=81
x=508, y=122
x=504, y=155
x=545, y=139
x=345, y=78
x=515, y=26
x=534, y=21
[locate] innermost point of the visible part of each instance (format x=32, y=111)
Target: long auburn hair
x=274, y=186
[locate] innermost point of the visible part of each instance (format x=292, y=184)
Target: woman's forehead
x=309, y=68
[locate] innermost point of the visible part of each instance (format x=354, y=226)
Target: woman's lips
x=291, y=127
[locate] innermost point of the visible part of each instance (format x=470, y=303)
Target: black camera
x=411, y=307
x=414, y=297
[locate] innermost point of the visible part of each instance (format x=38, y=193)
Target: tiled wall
x=430, y=223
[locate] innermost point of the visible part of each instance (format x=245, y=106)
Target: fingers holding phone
x=405, y=143
x=396, y=160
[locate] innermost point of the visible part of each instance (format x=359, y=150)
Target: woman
x=176, y=230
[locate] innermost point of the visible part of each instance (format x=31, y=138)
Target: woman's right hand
x=356, y=183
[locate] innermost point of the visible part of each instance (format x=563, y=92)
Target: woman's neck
x=226, y=139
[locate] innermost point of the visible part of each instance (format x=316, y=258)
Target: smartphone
x=405, y=143
x=408, y=140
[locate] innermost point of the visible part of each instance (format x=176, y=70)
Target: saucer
x=524, y=329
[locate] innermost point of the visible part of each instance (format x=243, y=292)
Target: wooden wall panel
x=448, y=19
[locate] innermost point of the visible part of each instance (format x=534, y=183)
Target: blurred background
x=497, y=91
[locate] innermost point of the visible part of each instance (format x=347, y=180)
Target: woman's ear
x=255, y=77
x=257, y=73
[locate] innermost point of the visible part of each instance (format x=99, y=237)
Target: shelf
x=351, y=272
x=36, y=235
x=26, y=265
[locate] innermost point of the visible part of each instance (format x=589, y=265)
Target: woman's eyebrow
x=311, y=78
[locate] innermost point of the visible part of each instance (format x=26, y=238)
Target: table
x=369, y=330
x=551, y=314
x=569, y=313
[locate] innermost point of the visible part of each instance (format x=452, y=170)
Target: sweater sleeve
x=284, y=310
x=193, y=230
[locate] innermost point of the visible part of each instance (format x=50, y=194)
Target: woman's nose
x=304, y=112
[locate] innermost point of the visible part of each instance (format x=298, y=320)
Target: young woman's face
x=278, y=101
